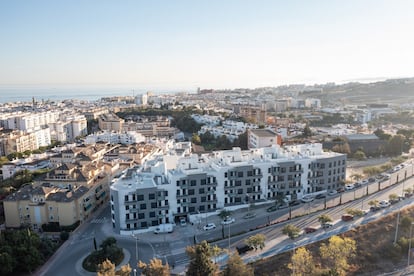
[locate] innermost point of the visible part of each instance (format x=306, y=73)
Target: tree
x=200, y=260
x=106, y=268
x=355, y=212
x=395, y=144
x=324, y=218
x=236, y=266
x=224, y=214
x=337, y=253
x=373, y=203
x=196, y=139
x=406, y=223
x=257, y=241
x=393, y=197
x=302, y=263
x=360, y=155
x=307, y=132
x=6, y=263
x=154, y=268
x=291, y=231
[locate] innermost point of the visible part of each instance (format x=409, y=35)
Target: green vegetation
x=23, y=251
x=291, y=231
x=236, y=266
x=200, y=260
x=257, y=241
x=108, y=250
x=154, y=268
x=107, y=268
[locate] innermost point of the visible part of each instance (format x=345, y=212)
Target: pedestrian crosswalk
x=98, y=220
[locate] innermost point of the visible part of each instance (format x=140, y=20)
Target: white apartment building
x=125, y=138
x=173, y=187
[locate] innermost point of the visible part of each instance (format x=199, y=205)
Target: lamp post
x=229, y=236
x=248, y=203
x=409, y=245
x=136, y=247
x=135, y=272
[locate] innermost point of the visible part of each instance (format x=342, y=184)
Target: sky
x=185, y=44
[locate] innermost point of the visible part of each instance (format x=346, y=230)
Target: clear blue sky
x=211, y=44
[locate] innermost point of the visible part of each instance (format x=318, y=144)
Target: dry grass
x=375, y=250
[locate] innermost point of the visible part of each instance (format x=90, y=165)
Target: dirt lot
x=356, y=167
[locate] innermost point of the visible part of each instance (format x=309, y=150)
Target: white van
x=164, y=228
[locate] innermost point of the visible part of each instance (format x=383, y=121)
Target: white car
x=349, y=187
x=209, y=226
x=228, y=221
x=307, y=198
x=332, y=192
x=384, y=203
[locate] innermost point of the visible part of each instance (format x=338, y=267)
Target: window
x=126, y=198
x=152, y=214
x=191, y=192
x=193, y=200
x=201, y=191
x=225, y=174
x=193, y=183
x=143, y=206
x=203, y=182
x=126, y=207
x=140, y=197
x=203, y=198
x=141, y=216
x=151, y=196
x=153, y=205
x=240, y=174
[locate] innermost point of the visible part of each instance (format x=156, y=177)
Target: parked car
x=371, y=180
x=333, y=192
x=272, y=208
x=340, y=190
x=347, y=217
x=374, y=208
x=320, y=196
x=228, y=220
x=307, y=199
x=327, y=225
x=243, y=248
x=357, y=184
x=209, y=226
x=294, y=203
x=384, y=203
x=349, y=187
x=310, y=229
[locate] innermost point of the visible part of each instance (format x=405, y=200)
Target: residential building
x=110, y=122
x=259, y=138
x=170, y=187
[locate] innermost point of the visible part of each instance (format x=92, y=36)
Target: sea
x=26, y=94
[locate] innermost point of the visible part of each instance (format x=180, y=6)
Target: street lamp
x=409, y=245
x=229, y=236
x=248, y=203
x=135, y=236
x=135, y=272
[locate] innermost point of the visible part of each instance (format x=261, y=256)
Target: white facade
x=212, y=181
x=125, y=138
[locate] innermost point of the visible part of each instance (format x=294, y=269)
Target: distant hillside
x=391, y=92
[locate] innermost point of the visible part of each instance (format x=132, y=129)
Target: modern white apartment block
x=124, y=138
x=173, y=186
